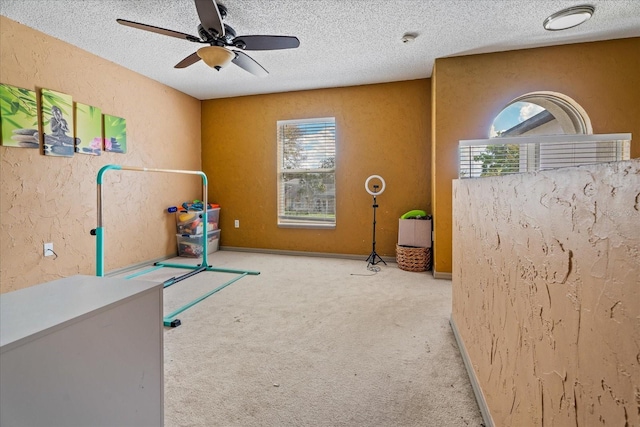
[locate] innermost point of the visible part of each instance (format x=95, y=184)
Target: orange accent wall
x=381, y=129
x=53, y=199
x=469, y=91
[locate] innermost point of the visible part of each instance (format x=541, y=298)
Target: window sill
x=307, y=225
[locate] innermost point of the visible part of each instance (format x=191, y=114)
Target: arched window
x=541, y=113
x=539, y=130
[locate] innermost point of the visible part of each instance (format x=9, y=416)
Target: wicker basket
x=413, y=259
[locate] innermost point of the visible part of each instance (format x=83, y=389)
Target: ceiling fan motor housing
x=204, y=34
x=230, y=33
x=223, y=47
x=223, y=10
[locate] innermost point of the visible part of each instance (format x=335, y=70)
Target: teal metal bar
x=171, y=265
x=100, y=251
x=175, y=280
x=99, y=233
x=169, y=319
x=228, y=270
x=209, y=268
x=140, y=273
x=205, y=234
x=205, y=218
x=104, y=169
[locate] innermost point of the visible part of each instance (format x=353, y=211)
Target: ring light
x=366, y=185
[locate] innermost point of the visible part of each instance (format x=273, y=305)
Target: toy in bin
x=190, y=249
x=197, y=205
x=191, y=246
x=189, y=219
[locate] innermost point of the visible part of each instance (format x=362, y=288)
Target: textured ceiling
x=342, y=42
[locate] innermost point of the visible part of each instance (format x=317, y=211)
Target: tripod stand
x=374, y=258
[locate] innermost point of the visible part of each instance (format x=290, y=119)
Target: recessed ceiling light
x=568, y=18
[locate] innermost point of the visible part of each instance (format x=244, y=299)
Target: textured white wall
x=546, y=293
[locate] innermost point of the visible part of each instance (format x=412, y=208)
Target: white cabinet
x=82, y=351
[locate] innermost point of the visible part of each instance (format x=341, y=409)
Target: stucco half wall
x=546, y=279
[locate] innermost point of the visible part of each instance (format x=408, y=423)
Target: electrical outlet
x=237, y=223
x=48, y=249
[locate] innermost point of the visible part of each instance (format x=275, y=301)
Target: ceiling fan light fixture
x=568, y=18
x=215, y=56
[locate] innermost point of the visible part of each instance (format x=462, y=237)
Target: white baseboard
x=482, y=403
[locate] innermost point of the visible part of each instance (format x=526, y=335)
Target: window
x=536, y=131
x=306, y=173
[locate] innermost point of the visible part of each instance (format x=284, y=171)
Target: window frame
x=285, y=221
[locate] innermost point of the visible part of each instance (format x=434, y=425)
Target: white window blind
x=508, y=155
x=306, y=173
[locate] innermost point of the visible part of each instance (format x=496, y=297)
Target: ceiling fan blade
x=247, y=63
x=210, y=17
x=266, y=42
x=189, y=60
x=158, y=30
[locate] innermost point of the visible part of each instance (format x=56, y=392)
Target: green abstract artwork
x=18, y=117
x=115, y=134
x=88, y=129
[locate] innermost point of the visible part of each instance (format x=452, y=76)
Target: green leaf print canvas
x=18, y=117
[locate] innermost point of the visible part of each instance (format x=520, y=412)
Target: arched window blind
x=306, y=173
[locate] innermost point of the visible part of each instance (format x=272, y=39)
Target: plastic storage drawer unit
x=190, y=245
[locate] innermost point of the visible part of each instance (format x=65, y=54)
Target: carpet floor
x=312, y=342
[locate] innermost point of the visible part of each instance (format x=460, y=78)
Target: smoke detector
x=409, y=38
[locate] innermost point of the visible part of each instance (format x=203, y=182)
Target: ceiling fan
x=224, y=46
